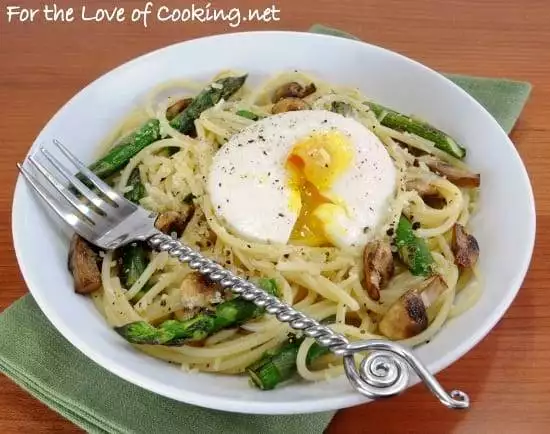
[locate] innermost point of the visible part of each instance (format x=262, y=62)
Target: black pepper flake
x=365, y=229
x=262, y=138
x=219, y=184
x=286, y=256
x=324, y=121
x=416, y=225
x=163, y=303
x=268, y=173
x=326, y=166
x=362, y=332
x=389, y=232
x=250, y=140
x=264, y=152
x=281, y=214
x=416, y=163
x=248, y=246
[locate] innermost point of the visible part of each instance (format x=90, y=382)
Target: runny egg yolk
x=313, y=165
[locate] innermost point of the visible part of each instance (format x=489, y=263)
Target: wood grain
x=508, y=373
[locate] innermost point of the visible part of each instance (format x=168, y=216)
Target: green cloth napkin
x=41, y=361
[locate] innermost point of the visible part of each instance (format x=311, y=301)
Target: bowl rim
x=253, y=407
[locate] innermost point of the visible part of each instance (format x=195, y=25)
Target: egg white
x=248, y=180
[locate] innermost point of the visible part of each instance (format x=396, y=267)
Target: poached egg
x=309, y=177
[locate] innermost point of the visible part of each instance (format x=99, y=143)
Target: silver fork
x=113, y=221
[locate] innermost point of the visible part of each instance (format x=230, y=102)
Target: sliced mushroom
x=293, y=90
x=176, y=108
x=407, y=317
x=422, y=186
x=465, y=247
x=84, y=266
x=378, y=267
x=174, y=221
x=198, y=293
x=289, y=105
x=429, y=194
x=459, y=177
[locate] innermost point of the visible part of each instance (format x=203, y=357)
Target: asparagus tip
x=140, y=332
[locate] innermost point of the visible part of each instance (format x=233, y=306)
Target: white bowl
x=505, y=225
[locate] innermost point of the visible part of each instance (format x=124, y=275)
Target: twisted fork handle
x=382, y=373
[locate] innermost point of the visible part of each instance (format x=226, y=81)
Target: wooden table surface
x=508, y=374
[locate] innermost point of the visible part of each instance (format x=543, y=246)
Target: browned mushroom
x=174, y=221
x=198, y=293
x=378, y=267
x=289, y=105
x=293, y=90
x=84, y=266
x=176, y=108
x=407, y=317
x=428, y=192
x=465, y=247
x=423, y=187
x=458, y=176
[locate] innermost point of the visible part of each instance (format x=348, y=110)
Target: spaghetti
x=324, y=282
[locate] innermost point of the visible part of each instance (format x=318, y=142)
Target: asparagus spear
x=134, y=256
x=208, y=97
x=398, y=121
x=134, y=261
x=129, y=146
x=413, y=250
x=280, y=365
x=169, y=332
x=249, y=115
x=138, y=189
x=172, y=332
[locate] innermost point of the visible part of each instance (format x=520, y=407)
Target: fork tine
x=91, y=176
x=97, y=201
x=79, y=225
x=85, y=210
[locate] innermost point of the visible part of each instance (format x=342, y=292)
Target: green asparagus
x=172, y=332
x=412, y=250
x=134, y=257
x=249, y=115
x=138, y=189
x=222, y=89
x=124, y=150
x=392, y=119
x=279, y=365
x=276, y=366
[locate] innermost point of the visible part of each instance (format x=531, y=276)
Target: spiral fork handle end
x=385, y=372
